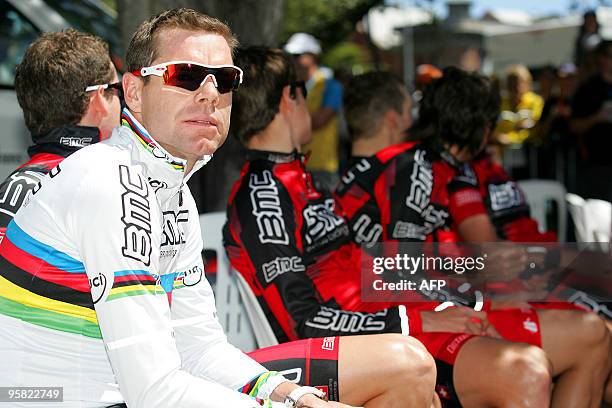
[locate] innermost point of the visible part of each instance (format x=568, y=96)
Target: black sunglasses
x=298, y=85
x=107, y=87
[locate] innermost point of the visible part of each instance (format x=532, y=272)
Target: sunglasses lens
x=228, y=79
x=186, y=76
x=190, y=77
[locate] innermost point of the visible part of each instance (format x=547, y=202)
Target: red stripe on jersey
x=41, y=269
x=353, y=200
x=390, y=152
x=275, y=303
x=382, y=190
x=48, y=160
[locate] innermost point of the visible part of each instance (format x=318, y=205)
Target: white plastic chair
x=538, y=193
x=230, y=309
x=263, y=331
x=592, y=218
x=575, y=204
x=599, y=220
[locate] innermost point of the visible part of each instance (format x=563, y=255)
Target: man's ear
x=286, y=102
x=391, y=119
x=97, y=108
x=132, y=91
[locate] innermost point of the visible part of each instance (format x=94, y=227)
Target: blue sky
x=534, y=7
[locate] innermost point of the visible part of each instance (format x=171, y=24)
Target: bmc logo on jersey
x=321, y=220
x=267, y=209
x=347, y=322
x=136, y=216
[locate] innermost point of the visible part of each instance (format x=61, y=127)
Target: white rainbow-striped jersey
x=102, y=287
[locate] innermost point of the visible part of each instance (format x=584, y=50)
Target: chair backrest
x=538, y=194
x=598, y=215
x=575, y=205
x=230, y=309
x=263, y=331
x=592, y=218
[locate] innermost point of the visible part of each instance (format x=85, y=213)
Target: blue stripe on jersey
x=52, y=256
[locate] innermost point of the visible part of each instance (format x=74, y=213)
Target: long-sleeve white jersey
x=102, y=287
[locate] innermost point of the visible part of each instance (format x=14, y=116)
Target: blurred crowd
x=555, y=122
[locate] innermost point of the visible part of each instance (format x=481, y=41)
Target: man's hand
x=505, y=262
x=458, y=320
x=310, y=401
x=307, y=401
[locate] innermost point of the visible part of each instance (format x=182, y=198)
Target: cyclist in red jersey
x=272, y=202
x=288, y=240
x=392, y=193
x=66, y=105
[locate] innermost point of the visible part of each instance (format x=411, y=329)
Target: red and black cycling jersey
x=49, y=150
x=293, y=247
x=408, y=192
x=506, y=204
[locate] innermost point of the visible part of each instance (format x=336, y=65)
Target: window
x=16, y=33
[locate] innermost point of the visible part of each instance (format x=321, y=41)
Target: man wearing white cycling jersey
x=102, y=287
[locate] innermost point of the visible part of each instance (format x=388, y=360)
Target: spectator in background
x=587, y=40
x=68, y=89
x=520, y=111
x=553, y=128
x=521, y=107
x=324, y=104
x=592, y=123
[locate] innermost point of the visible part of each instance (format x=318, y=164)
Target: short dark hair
x=368, y=97
x=142, y=50
x=457, y=109
x=266, y=72
x=51, y=79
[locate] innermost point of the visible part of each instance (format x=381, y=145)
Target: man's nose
x=208, y=90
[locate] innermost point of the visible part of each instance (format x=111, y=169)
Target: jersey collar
x=149, y=144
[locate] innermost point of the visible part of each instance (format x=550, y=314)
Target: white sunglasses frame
x=96, y=87
x=159, y=69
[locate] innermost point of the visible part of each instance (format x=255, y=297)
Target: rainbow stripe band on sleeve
x=252, y=387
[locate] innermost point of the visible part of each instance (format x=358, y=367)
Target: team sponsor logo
x=157, y=184
x=421, y=183
x=347, y=322
x=409, y=230
x=321, y=220
x=452, y=346
x=55, y=171
x=366, y=231
x=192, y=276
x=52, y=173
x=267, y=209
x=530, y=325
x=97, y=286
x=293, y=374
x=418, y=199
x=329, y=343
x=504, y=196
x=281, y=265
x=18, y=189
x=76, y=141
x=136, y=216
x=173, y=233
x=360, y=167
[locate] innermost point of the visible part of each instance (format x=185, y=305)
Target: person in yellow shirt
x=521, y=107
x=324, y=101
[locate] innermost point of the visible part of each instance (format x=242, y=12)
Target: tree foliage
x=331, y=21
